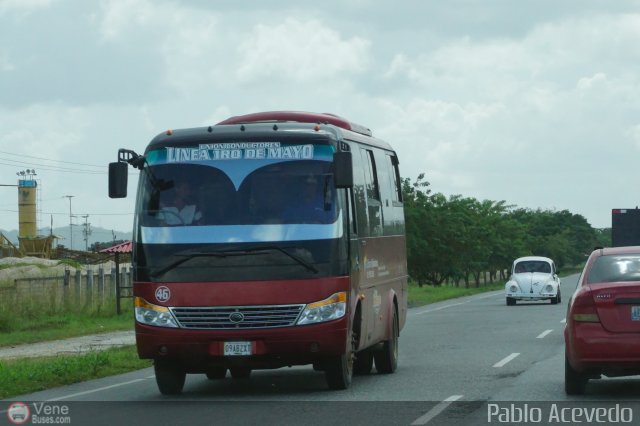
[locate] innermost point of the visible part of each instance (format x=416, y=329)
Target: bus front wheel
x=240, y=372
x=169, y=377
x=216, y=373
x=338, y=370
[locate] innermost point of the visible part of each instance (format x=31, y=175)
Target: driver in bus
x=182, y=210
x=309, y=204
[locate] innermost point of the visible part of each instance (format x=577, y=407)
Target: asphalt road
x=463, y=361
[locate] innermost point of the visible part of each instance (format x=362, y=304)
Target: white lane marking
x=544, y=333
x=440, y=308
x=98, y=389
x=491, y=295
x=503, y=362
x=426, y=311
x=564, y=320
x=429, y=415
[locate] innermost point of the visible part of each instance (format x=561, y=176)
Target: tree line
x=458, y=239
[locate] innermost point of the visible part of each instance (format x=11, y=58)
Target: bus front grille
x=237, y=317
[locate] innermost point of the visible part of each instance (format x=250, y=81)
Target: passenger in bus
x=309, y=204
x=181, y=210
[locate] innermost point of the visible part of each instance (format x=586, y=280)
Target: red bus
x=268, y=240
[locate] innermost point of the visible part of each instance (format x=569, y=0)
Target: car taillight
x=583, y=308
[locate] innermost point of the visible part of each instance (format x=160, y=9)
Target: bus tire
x=338, y=370
x=363, y=363
x=216, y=373
x=387, y=358
x=240, y=372
x=169, y=377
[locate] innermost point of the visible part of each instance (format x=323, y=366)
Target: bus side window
x=395, y=180
x=374, y=207
x=373, y=188
x=388, y=191
x=359, y=194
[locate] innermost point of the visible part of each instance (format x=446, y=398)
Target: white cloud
x=633, y=133
x=121, y=17
x=546, y=111
x=588, y=83
x=301, y=51
x=5, y=63
x=23, y=7
x=439, y=138
x=29, y=129
x=218, y=115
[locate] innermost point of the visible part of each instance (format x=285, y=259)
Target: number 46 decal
x=163, y=294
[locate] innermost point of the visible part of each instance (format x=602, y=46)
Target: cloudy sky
x=533, y=102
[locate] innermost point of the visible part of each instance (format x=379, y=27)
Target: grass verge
x=427, y=294
x=22, y=376
x=61, y=326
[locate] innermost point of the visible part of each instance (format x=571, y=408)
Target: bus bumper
x=197, y=350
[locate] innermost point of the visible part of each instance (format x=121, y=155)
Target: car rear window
x=532, y=266
x=615, y=268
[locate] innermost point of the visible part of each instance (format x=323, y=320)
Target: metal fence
x=85, y=289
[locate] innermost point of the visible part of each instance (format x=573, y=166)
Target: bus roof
x=299, y=117
x=271, y=122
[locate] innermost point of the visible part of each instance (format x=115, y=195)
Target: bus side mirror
x=118, y=174
x=343, y=169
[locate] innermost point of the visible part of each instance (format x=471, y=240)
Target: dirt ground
x=29, y=267
x=71, y=346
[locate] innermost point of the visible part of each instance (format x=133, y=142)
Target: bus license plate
x=237, y=348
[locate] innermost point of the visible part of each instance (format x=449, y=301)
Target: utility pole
x=70, y=221
x=86, y=232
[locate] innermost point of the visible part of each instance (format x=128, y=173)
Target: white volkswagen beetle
x=533, y=278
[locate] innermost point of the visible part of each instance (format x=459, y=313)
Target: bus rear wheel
x=363, y=363
x=169, y=377
x=387, y=358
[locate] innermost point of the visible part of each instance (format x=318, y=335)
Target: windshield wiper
x=298, y=259
x=188, y=255
x=252, y=251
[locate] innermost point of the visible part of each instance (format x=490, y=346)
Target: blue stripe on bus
x=240, y=233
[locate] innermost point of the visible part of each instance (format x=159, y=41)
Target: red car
x=602, y=333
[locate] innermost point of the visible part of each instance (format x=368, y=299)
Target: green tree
x=456, y=238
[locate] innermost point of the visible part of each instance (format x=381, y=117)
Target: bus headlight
x=331, y=308
x=149, y=314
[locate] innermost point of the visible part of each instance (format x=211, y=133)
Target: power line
x=56, y=213
x=48, y=159
x=16, y=163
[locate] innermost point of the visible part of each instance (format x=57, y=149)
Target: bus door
x=368, y=224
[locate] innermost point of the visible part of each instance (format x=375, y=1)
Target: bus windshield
x=238, y=218
x=293, y=192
